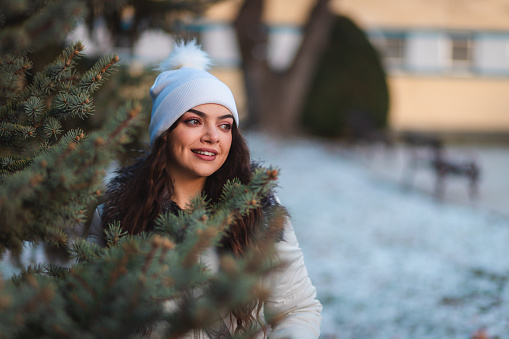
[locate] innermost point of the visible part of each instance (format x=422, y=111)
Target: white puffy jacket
x=293, y=296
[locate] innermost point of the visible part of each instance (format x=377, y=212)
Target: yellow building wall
x=418, y=102
x=457, y=14
x=449, y=104
x=279, y=12
x=453, y=14
x=440, y=103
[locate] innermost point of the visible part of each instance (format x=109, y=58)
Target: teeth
x=204, y=153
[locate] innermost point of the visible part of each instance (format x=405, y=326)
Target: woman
x=196, y=147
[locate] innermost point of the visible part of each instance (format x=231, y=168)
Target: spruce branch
x=123, y=124
x=168, y=223
x=52, y=128
x=84, y=251
x=24, y=200
x=28, y=116
x=56, y=74
x=32, y=24
x=11, y=164
x=13, y=68
x=93, y=79
x=114, y=233
x=10, y=130
x=55, y=236
x=55, y=271
x=50, y=175
x=33, y=107
x=146, y=275
x=27, y=272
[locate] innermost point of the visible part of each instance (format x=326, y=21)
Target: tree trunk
x=275, y=99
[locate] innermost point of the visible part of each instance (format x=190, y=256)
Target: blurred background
x=389, y=121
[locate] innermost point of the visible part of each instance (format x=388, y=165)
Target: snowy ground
x=387, y=262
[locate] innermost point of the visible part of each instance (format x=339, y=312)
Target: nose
x=211, y=134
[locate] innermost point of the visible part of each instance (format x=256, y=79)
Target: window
x=392, y=48
x=461, y=52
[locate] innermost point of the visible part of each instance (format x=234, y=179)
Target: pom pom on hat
x=185, y=55
x=183, y=84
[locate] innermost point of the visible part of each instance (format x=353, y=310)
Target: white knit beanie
x=183, y=84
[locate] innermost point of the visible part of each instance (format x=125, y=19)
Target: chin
x=206, y=172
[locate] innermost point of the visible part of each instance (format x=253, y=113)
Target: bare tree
x=275, y=98
x=127, y=19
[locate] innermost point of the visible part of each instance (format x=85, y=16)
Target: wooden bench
x=427, y=150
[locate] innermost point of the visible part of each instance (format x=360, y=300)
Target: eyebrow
x=202, y=114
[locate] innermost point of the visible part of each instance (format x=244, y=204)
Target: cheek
x=227, y=145
x=175, y=152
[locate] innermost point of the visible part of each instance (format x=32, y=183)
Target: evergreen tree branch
x=32, y=24
x=49, y=178
x=24, y=203
x=146, y=277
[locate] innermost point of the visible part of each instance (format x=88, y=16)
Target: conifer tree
x=48, y=177
x=139, y=282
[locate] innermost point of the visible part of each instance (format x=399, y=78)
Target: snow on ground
x=390, y=263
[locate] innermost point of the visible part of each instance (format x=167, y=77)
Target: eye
x=226, y=126
x=192, y=122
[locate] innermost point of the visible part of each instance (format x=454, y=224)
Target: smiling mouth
x=210, y=154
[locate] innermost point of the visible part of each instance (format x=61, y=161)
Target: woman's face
x=200, y=142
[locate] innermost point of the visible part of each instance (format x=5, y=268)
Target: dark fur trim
x=114, y=189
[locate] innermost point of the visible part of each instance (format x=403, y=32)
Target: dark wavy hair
x=139, y=201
